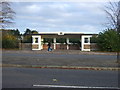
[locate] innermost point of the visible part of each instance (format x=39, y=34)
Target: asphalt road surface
x=54, y=59
x=37, y=78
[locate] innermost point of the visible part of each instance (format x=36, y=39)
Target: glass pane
x=36, y=40
x=86, y=40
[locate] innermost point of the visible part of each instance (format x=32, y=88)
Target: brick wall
x=74, y=46
x=94, y=46
x=61, y=46
x=35, y=46
x=86, y=46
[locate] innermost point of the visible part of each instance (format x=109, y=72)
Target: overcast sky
x=86, y=17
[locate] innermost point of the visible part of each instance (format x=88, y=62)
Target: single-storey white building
x=83, y=45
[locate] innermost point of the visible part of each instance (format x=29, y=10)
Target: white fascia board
x=62, y=32
x=86, y=35
x=66, y=32
x=48, y=32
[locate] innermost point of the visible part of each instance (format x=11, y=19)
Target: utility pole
x=118, y=33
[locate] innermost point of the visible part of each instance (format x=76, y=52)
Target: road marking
x=59, y=86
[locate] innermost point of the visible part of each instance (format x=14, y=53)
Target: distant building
x=83, y=43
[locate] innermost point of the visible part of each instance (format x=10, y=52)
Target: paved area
x=64, y=58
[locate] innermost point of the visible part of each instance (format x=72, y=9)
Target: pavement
x=60, y=59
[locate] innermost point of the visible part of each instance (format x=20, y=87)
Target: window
x=36, y=40
x=46, y=40
x=61, y=40
x=86, y=40
x=74, y=40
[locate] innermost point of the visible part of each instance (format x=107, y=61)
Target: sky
x=84, y=17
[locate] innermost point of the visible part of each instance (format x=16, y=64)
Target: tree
x=113, y=13
x=93, y=39
x=6, y=19
x=61, y=40
x=34, y=32
x=10, y=38
x=27, y=32
x=107, y=40
x=9, y=41
x=27, y=36
x=6, y=14
x=74, y=40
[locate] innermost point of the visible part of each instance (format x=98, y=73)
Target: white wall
x=83, y=43
x=39, y=42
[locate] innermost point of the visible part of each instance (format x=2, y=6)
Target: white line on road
x=59, y=86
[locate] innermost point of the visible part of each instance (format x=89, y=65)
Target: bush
x=108, y=40
x=10, y=38
x=9, y=41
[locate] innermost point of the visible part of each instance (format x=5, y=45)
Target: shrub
x=108, y=40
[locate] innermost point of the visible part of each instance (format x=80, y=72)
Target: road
x=29, y=77
x=55, y=59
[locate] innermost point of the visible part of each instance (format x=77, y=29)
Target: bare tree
x=111, y=10
x=6, y=14
x=113, y=14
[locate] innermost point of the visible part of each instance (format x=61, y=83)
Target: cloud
x=57, y=16
x=89, y=28
x=33, y=8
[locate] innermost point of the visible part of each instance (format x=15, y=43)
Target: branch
x=111, y=17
